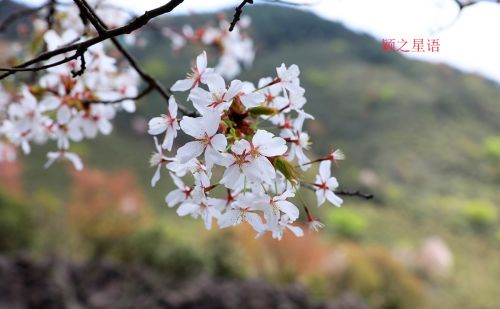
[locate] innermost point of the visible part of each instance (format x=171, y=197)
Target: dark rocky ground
x=26, y=283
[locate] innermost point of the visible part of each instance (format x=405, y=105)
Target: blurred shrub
x=155, y=247
x=16, y=224
x=481, y=215
x=53, y=233
x=346, y=223
x=105, y=208
x=328, y=271
x=376, y=276
x=497, y=236
x=286, y=261
x=492, y=147
x=224, y=258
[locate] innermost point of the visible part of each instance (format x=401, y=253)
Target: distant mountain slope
x=417, y=125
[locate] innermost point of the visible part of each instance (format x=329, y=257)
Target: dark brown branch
x=50, y=14
x=133, y=25
x=95, y=19
x=237, y=13
x=464, y=4
x=367, y=196
x=87, y=14
x=83, y=64
x=43, y=67
x=356, y=193
x=20, y=14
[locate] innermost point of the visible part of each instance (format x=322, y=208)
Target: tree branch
x=86, y=13
x=356, y=193
x=237, y=13
x=367, y=196
x=43, y=67
x=108, y=34
x=89, y=13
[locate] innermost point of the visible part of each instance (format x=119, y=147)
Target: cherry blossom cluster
x=61, y=106
x=235, y=48
x=234, y=169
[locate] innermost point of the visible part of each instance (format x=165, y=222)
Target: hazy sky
x=470, y=42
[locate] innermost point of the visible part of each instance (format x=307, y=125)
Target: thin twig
x=50, y=14
x=43, y=67
x=356, y=193
x=128, y=28
x=95, y=19
x=367, y=196
x=237, y=13
x=86, y=13
x=83, y=65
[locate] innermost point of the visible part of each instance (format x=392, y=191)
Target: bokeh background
x=423, y=137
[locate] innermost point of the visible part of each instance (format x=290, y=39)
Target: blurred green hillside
x=424, y=138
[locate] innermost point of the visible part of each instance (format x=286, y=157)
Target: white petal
x=219, y=142
x=168, y=141
x=51, y=158
x=297, y=231
x=320, y=195
x=174, y=197
x=233, y=90
x=172, y=107
x=230, y=218
x=200, y=96
x=231, y=175
x=75, y=159
x=241, y=146
x=332, y=183
x=269, y=145
x=265, y=169
x=189, y=151
x=193, y=126
x=334, y=199
x=324, y=170
x=252, y=99
x=211, y=123
x=156, y=176
x=186, y=209
x=201, y=62
x=288, y=208
x=255, y=221
x=215, y=83
x=105, y=126
x=183, y=85
x=157, y=125
x=63, y=114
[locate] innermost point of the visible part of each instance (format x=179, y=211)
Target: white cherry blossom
x=166, y=123
x=204, y=130
x=325, y=185
x=198, y=75
x=63, y=154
